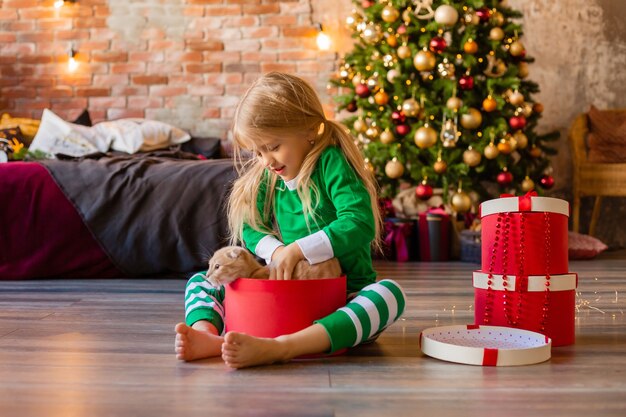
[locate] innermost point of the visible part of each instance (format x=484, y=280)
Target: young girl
x=306, y=195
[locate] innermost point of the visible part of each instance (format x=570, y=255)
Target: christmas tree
x=440, y=98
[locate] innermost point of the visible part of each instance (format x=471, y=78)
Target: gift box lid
x=485, y=345
x=531, y=283
x=526, y=203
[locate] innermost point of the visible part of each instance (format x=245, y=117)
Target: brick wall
x=185, y=62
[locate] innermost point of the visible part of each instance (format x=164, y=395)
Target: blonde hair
x=276, y=104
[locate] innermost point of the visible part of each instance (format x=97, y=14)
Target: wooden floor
x=105, y=348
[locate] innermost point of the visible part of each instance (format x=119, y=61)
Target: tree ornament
x=546, y=182
x=497, y=18
x=527, y=110
x=461, y=202
x=504, y=178
x=516, y=98
x=367, y=3
x=424, y=191
x=423, y=9
x=496, y=34
x=522, y=69
x=392, y=40
x=362, y=90
x=446, y=69
x=446, y=15
x=538, y=108
x=440, y=166
x=398, y=117
x=528, y=184
x=495, y=67
x=483, y=14
x=490, y=104
x=381, y=98
x=387, y=137
x=535, y=151
x=359, y=125
x=356, y=80
x=448, y=134
x=403, y=129
x=517, y=48
x=517, y=122
x=404, y=52
x=470, y=47
x=521, y=139
x=504, y=146
x=454, y=103
x=491, y=151
x=471, y=18
x=371, y=33
x=471, y=157
x=373, y=131
x=425, y=137
x=353, y=20
x=437, y=44
x=392, y=74
x=410, y=107
x=424, y=61
x=369, y=166
x=394, y=168
x=390, y=14
x=351, y=106
x=466, y=82
x=472, y=119
x=401, y=29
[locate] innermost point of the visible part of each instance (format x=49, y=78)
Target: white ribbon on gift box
x=531, y=283
x=512, y=205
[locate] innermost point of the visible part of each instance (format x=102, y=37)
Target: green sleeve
x=355, y=220
x=251, y=236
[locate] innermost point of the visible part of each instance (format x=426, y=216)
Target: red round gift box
x=271, y=308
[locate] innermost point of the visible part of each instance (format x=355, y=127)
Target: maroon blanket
x=41, y=234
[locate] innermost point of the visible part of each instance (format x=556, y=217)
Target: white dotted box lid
x=485, y=345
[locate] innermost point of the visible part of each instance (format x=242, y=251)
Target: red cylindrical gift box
x=271, y=308
x=525, y=281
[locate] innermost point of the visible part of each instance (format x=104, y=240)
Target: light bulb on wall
x=323, y=40
x=72, y=64
x=59, y=3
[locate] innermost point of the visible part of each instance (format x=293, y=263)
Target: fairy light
x=323, y=40
x=72, y=64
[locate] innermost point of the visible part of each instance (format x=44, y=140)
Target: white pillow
x=133, y=135
x=55, y=135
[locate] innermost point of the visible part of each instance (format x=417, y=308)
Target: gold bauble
x=522, y=69
x=394, y=169
x=404, y=52
x=369, y=166
x=461, y=202
x=356, y=80
x=471, y=18
x=527, y=110
x=491, y=151
x=490, y=104
x=528, y=184
x=446, y=15
x=470, y=47
x=410, y=107
x=392, y=41
x=392, y=74
x=440, y=166
x=424, y=61
x=516, y=48
x=372, y=132
x=504, y=146
x=521, y=139
x=381, y=98
x=387, y=137
x=496, y=34
x=535, y=152
x=390, y=14
x=454, y=103
x=497, y=18
x=471, y=157
x=371, y=33
x=360, y=125
x=425, y=137
x=516, y=98
x=472, y=119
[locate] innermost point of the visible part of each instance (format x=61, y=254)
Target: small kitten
x=229, y=263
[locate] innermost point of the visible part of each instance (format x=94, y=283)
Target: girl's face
x=284, y=154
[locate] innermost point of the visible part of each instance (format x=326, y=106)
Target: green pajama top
x=344, y=214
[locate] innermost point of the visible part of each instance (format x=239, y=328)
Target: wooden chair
x=592, y=179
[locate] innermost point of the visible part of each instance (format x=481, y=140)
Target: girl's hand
x=284, y=261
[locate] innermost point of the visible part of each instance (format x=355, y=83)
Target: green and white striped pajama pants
x=365, y=316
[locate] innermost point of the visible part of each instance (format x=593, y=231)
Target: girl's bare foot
x=192, y=344
x=241, y=350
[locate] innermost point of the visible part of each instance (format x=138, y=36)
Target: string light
x=72, y=64
x=323, y=40
x=60, y=3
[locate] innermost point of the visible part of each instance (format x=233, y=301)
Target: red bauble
x=398, y=117
x=466, y=82
x=366, y=3
x=483, y=14
x=403, y=129
x=362, y=90
x=437, y=44
x=401, y=30
x=424, y=191
x=351, y=107
x=546, y=182
x=517, y=122
x=504, y=178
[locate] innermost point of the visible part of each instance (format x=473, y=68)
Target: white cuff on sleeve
x=316, y=247
x=266, y=247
